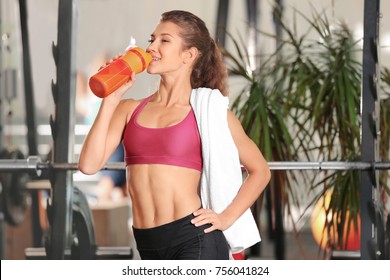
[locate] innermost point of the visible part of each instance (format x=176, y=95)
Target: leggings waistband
x=167, y=235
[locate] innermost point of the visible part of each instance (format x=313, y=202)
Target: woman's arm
x=258, y=177
x=257, y=169
x=106, y=132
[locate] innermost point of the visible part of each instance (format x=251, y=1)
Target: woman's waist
x=168, y=185
x=154, y=214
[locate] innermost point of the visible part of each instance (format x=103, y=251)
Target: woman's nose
x=151, y=48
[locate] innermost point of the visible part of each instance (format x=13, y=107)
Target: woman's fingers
x=207, y=216
x=110, y=61
x=120, y=92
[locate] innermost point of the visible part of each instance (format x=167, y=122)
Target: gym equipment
x=13, y=192
x=83, y=243
x=35, y=164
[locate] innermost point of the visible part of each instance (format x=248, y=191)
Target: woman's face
x=166, y=48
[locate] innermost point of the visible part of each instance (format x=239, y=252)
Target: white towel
x=221, y=177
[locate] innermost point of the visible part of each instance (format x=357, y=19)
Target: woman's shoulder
x=129, y=105
x=132, y=103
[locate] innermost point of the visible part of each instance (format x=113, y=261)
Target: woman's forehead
x=167, y=28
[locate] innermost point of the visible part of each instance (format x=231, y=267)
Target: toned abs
x=161, y=193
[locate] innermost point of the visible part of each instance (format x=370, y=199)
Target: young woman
x=169, y=152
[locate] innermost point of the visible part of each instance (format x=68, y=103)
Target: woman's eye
x=161, y=40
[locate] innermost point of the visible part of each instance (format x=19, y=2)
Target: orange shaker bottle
x=115, y=74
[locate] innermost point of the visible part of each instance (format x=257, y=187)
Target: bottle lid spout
x=132, y=43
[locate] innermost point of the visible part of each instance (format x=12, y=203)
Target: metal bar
x=2, y=95
x=28, y=82
x=20, y=165
x=64, y=96
x=2, y=219
x=252, y=17
x=30, y=117
x=222, y=18
x=34, y=163
x=369, y=130
x=277, y=15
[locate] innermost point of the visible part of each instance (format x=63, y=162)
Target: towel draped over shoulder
x=221, y=177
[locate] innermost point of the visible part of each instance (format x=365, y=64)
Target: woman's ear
x=190, y=55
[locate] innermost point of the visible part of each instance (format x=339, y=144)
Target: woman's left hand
x=208, y=216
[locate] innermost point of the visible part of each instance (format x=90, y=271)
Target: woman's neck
x=173, y=93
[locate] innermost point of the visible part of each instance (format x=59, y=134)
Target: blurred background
x=104, y=29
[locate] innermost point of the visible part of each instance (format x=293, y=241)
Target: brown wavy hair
x=209, y=69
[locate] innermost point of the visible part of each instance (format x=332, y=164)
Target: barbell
x=34, y=163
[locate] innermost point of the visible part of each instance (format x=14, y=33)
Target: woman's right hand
x=118, y=94
x=110, y=61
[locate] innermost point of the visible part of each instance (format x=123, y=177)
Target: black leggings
x=181, y=240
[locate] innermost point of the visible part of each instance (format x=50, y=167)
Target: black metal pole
x=30, y=117
x=222, y=18
x=2, y=219
x=64, y=90
x=251, y=11
x=1, y=78
x=369, y=144
x=277, y=15
x=28, y=83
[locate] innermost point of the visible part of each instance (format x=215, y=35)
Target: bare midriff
x=161, y=194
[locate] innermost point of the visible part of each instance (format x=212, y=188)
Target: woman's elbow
x=264, y=176
x=87, y=169
x=267, y=174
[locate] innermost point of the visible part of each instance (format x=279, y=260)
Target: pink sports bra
x=177, y=145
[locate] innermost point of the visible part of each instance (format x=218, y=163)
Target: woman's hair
x=209, y=69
